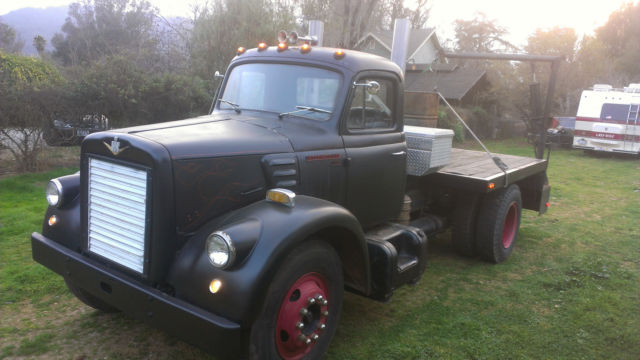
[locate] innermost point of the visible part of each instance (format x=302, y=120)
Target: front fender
x=264, y=233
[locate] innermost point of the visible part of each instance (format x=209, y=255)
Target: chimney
x=400, y=44
x=316, y=29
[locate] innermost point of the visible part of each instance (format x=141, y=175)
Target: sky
x=520, y=17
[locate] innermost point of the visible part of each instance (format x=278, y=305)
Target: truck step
x=406, y=262
x=398, y=256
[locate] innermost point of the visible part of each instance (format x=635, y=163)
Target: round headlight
x=220, y=249
x=54, y=192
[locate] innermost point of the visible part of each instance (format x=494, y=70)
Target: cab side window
x=372, y=111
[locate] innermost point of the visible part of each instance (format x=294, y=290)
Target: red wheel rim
x=510, y=225
x=302, y=317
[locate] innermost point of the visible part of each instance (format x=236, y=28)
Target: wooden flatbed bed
x=474, y=170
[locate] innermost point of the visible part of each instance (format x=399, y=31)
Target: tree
x=418, y=16
x=99, y=28
x=128, y=95
x=595, y=65
x=10, y=42
x=481, y=34
x=222, y=27
x=40, y=44
x=346, y=21
x=27, y=101
x=484, y=35
x=620, y=38
x=562, y=42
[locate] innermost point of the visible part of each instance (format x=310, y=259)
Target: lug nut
x=322, y=326
x=314, y=337
x=302, y=338
x=304, y=312
x=324, y=302
x=300, y=325
x=325, y=313
x=311, y=301
x=307, y=341
x=319, y=297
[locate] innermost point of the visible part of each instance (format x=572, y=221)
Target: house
x=459, y=85
x=427, y=70
x=423, y=46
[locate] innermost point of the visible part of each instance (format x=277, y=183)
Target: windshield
x=282, y=88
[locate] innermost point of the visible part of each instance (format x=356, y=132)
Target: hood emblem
x=115, y=146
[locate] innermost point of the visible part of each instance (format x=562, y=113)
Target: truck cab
x=238, y=231
x=347, y=142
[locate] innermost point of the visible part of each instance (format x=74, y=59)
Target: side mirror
x=372, y=86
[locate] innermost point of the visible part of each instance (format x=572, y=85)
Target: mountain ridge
x=29, y=22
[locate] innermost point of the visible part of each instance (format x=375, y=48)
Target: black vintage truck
x=239, y=231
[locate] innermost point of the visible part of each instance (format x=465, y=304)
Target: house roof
x=451, y=81
x=417, y=37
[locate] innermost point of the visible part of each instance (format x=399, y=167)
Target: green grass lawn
x=571, y=289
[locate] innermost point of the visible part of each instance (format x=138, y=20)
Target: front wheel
x=302, y=307
x=498, y=223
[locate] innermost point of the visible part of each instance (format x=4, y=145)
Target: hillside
x=29, y=22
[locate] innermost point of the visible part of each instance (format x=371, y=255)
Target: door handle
x=399, y=153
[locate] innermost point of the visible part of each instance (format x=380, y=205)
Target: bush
x=451, y=122
x=27, y=102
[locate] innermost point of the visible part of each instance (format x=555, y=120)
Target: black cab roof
x=352, y=60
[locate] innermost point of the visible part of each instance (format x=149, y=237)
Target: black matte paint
x=211, y=173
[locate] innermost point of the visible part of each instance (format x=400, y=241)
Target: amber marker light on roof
x=491, y=186
x=241, y=50
x=339, y=54
x=305, y=48
x=262, y=46
x=282, y=46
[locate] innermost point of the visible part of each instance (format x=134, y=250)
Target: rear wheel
x=302, y=307
x=89, y=299
x=498, y=224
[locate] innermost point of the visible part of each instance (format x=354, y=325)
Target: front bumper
x=177, y=317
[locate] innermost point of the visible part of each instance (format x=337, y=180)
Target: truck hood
x=214, y=136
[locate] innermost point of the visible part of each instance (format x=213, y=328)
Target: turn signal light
x=241, y=50
x=215, y=286
x=491, y=186
x=262, y=46
x=282, y=196
x=282, y=46
x=53, y=220
x=547, y=204
x=339, y=54
x=305, y=48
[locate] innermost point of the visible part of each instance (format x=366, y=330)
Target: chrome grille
x=117, y=213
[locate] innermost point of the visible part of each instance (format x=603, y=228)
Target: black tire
x=463, y=224
x=274, y=334
x=89, y=299
x=498, y=224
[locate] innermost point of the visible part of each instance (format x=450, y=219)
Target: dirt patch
x=67, y=329
x=50, y=158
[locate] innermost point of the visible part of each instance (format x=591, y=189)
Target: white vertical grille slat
x=117, y=213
